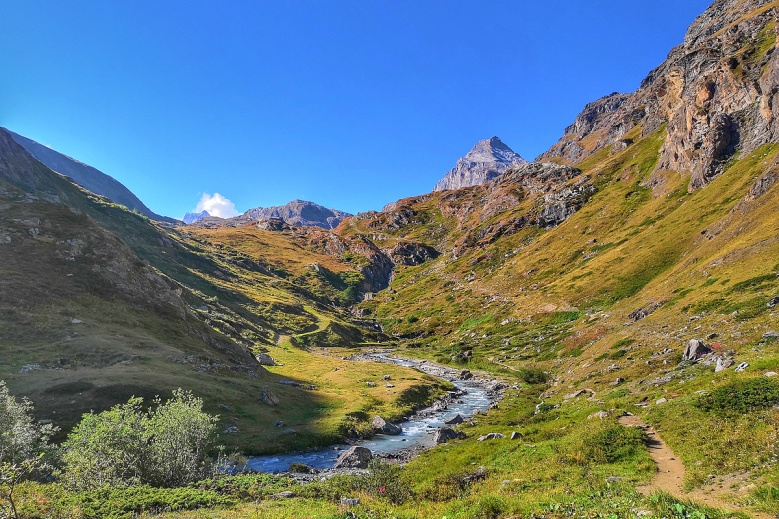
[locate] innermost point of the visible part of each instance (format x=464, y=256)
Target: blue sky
x=351, y=104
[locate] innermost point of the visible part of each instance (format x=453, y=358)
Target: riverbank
x=474, y=394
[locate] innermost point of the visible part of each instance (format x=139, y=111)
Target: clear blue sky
x=351, y=104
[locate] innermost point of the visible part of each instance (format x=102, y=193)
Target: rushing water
x=417, y=432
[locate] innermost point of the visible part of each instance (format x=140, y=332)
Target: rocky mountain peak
x=488, y=159
x=191, y=218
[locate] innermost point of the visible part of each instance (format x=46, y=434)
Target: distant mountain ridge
x=87, y=177
x=191, y=218
x=488, y=159
x=299, y=212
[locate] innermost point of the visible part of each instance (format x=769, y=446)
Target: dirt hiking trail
x=670, y=473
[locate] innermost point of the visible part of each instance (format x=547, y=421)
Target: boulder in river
x=381, y=426
x=354, y=458
x=444, y=434
x=456, y=419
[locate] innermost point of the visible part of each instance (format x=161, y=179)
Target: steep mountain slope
x=87, y=177
x=716, y=95
x=98, y=303
x=486, y=160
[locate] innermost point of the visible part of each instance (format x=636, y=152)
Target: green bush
x=532, y=375
x=741, y=396
x=385, y=481
x=166, y=446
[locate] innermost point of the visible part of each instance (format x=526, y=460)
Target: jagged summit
x=191, y=218
x=488, y=159
x=299, y=212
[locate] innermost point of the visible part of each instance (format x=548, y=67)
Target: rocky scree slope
x=488, y=159
x=87, y=177
x=716, y=95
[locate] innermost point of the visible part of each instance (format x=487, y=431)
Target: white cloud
x=217, y=205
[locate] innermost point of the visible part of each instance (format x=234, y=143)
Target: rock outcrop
x=716, y=95
x=487, y=160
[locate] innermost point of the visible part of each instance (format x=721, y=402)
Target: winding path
x=670, y=472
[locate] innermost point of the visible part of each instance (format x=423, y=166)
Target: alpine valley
x=617, y=300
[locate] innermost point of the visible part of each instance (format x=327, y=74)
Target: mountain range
x=623, y=288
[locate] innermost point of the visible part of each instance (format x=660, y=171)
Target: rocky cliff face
x=86, y=176
x=300, y=213
x=715, y=95
x=487, y=160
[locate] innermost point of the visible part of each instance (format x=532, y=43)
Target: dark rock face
x=87, y=177
x=489, y=159
x=300, y=213
x=354, y=458
x=717, y=94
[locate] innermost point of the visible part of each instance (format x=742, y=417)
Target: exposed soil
x=670, y=472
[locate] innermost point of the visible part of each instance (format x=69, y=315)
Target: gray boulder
x=455, y=420
x=694, y=350
x=267, y=397
x=381, y=426
x=491, y=436
x=354, y=458
x=265, y=360
x=444, y=434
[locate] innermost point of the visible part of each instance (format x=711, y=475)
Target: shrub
x=385, y=481
x=166, y=446
x=741, y=396
x=533, y=375
x=614, y=443
x=23, y=443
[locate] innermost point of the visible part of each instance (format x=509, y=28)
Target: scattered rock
x=515, y=435
x=224, y=407
x=350, y=501
x=770, y=374
x=723, y=363
x=265, y=360
x=773, y=302
x=742, y=367
x=618, y=381
x=491, y=436
x=278, y=423
x=600, y=414
x=771, y=335
x=76, y=321
x=288, y=431
x=386, y=377
x=370, y=384
x=287, y=494
x=267, y=397
x=4, y=239
x=389, y=385
x=661, y=401
x=28, y=368
x=613, y=479
x=381, y=426
x=355, y=458
x=230, y=430
x=444, y=434
x=34, y=232
x=465, y=374
x=455, y=420
x=695, y=349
